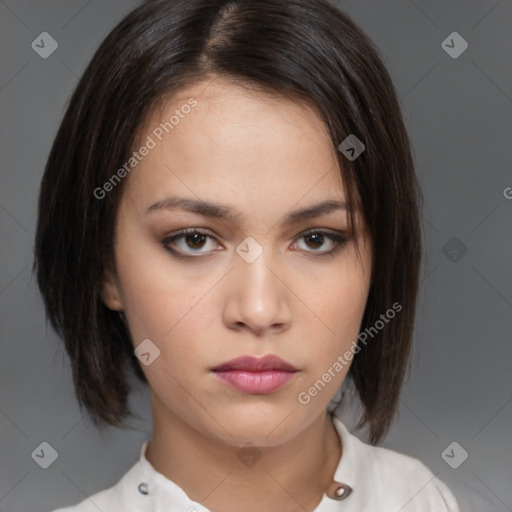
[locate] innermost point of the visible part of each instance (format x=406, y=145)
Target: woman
x=230, y=206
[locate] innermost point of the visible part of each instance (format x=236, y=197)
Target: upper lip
x=256, y=364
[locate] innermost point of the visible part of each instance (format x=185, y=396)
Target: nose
x=258, y=295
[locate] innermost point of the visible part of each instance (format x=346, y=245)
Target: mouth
x=269, y=362
x=256, y=375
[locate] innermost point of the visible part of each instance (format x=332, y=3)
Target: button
x=338, y=491
x=143, y=488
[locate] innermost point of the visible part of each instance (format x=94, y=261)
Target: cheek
x=171, y=312
x=167, y=311
x=160, y=302
x=338, y=302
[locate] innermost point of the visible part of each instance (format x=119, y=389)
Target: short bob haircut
x=307, y=50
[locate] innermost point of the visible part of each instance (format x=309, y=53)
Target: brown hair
x=305, y=49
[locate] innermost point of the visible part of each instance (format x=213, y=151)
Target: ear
x=110, y=292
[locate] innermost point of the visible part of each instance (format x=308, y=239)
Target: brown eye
x=188, y=242
x=317, y=238
x=195, y=240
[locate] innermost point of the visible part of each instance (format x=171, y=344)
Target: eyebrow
x=224, y=212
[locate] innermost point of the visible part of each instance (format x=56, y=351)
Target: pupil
x=318, y=237
x=195, y=238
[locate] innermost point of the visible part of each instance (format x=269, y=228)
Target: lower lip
x=256, y=382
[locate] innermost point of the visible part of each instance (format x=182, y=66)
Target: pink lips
x=256, y=375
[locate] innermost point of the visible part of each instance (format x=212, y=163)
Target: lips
x=256, y=376
x=254, y=364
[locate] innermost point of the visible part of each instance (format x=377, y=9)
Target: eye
x=196, y=240
x=191, y=238
x=316, y=238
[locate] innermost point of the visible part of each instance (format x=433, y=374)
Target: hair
x=307, y=50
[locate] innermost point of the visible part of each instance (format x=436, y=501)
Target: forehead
x=217, y=140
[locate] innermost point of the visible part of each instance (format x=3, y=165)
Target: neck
x=289, y=477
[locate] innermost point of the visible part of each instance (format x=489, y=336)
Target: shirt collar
x=166, y=494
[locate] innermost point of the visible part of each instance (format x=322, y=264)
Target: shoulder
x=392, y=480
x=104, y=501
x=410, y=481
x=113, y=499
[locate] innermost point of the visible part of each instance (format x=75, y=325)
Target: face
x=250, y=277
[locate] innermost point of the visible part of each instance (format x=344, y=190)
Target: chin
x=258, y=425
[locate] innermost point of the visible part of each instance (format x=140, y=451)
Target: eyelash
x=339, y=240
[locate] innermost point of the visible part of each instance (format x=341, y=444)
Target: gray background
x=459, y=114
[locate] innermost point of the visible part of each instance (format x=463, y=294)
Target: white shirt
x=381, y=479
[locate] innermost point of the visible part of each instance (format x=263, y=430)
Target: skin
x=264, y=156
